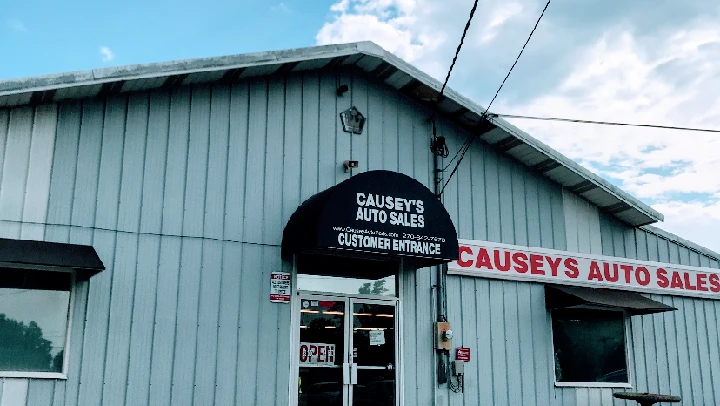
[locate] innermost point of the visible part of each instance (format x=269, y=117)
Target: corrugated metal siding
x=179, y=316
x=184, y=194
x=493, y=198
x=27, y=139
x=673, y=352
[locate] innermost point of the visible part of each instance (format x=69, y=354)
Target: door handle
x=346, y=373
x=349, y=373
x=353, y=374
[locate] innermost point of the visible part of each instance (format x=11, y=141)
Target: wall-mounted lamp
x=342, y=89
x=352, y=120
x=348, y=165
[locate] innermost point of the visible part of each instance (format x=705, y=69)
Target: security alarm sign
x=280, y=287
x=462, y=354
x=317, y=354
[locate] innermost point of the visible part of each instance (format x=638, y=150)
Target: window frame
x=66, y=350
x=628, y=358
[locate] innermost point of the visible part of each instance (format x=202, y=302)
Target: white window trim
x=295, y=330
x=66, y=351
x=623, y=385
x=593, y=385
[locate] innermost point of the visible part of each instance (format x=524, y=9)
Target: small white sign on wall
x=280, y=287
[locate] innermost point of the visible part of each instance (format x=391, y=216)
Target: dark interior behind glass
x=589, y=346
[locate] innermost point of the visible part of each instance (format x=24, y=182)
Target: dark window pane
x=374, y=335
x=589, y=346
x=375, y=387
x=33, y=319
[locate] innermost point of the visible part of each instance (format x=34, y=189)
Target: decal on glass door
x=317, y=354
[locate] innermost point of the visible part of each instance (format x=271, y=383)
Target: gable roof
x=366, y=56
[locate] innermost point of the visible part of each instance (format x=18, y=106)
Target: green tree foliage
x=377, y=288
x=23, y=348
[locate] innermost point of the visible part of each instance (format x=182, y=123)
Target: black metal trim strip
x=582, y=187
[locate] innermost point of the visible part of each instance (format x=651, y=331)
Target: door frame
x=295, y=305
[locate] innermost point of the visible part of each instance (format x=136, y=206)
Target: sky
x=643, y=61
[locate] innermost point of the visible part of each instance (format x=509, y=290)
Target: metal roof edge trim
x=154, y=70
x=186, y=66
x=528, y=139
x=681, y=241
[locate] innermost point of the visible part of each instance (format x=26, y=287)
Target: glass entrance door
x=347, y=352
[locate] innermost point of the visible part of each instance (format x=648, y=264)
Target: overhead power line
x=457, y=51
x=442, y=90
x=518, y=57
x=578, y=121
x=468, y=143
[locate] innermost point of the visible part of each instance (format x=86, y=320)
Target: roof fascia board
x=526, y=138
x=135, y=72
x=682, y=242
x=189, y=66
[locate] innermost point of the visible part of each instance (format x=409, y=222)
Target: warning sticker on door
x=377, y=337
x=317, y=354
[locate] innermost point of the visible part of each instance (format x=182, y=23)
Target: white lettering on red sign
x=462, y=354
x=280, y=287
x=317, y=353
x=502, y=261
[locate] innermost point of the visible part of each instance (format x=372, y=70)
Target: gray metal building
x=181, y=178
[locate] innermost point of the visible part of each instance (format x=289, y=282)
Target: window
x=589, y=346
x=34, y=316
x=345, y=275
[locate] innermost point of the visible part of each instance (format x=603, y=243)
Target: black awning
x=82, y=258
x=378, y=213
x=571, y=296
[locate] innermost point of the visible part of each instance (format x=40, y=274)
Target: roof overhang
x=42, y=254
x=365, y=56
x=564, y=297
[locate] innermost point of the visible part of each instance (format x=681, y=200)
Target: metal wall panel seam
x=138, y=176
x=85, y=192
x=263, y=302
x=274, y=177
x=114, y=221
x=39, y=171
x=227, y=365
x=204, y=273
x=4, y=131
x=161, y=192
x=15, y=166
x=226, y=144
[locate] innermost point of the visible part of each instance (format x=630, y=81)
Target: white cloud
x=107, y=54
x=500, y=15
x=697, y=221
x=671, y=82
x=591, y=61
x=17, y=25
x=281, y=7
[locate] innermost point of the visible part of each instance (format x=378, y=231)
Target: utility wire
x=572, y=120
x=468, y=143
x=518, y=57
x=457, y=51
x=447, y=79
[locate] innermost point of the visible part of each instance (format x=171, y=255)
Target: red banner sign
x=502, y=261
